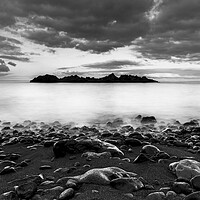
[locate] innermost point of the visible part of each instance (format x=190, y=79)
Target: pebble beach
x=52, y=161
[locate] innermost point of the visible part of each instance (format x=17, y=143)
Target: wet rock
x=133, y=142
x=181, y=188
x=93, y=155
x=27, y=190
x=11, y=195
x=191, y=123
x=127, y=184
x=72, y=157
x=44, y=167
x=185, y=168
x=67, y=194
x=193, y=196
x=150, y=150
x=49, y=143
x=102, y=176
x=47, y=183
x=55, y=191
x=7, y=163
x=195, y=182
x=142, y=158
x=148, y=120
x=7, y=170
x=79, y=146
x=156, y=196
x=171, y=195
x=71, y=184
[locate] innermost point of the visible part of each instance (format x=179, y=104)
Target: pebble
x=193, y=196
x=195, y=182
x=156, y=196
x=7, y=170
x=66, y=194
x=181, y=188
x=44, y=167
x=27, y=190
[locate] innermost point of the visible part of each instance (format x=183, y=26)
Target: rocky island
x=106, y=79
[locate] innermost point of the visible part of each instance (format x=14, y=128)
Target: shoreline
x=55, y=150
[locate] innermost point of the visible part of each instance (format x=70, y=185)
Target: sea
x=90, y=103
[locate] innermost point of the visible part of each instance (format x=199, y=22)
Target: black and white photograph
x=99, y=99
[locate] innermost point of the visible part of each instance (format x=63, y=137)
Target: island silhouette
x=111, y=78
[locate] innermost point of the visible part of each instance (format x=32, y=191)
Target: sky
x=159, y=39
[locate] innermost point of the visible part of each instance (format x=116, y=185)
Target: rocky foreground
x=112, y=161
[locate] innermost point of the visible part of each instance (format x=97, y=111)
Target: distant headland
x=111, y=78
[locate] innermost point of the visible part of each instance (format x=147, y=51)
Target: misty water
x=93, y=103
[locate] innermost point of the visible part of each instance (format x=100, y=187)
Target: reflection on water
x=86, y=102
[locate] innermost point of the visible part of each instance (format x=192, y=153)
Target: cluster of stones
x=103, y=141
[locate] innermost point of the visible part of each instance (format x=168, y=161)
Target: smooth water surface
x=83, y=103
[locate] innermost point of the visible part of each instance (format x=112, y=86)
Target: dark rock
x=156, y=196
x=44, y=167
x=195, y=182
x=27, y=190
x=142, y=158
x=127, y=184
x=181, y=188
x=11, y=195
x=193, y=196
x=133, y=142
x=191, y=123
x=66, y=194
x=150, y=150
x=148, y=120
x=48, y=143
x=7, y=170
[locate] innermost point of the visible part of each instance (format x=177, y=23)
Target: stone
x=127, y=184
x=7, y=170
x=92, y=155
x=181, y=188
x=133, y=142
x=156, y=196
x=44, y=167
x=102, y=176
x=142, y=158
x=148, y=120
x=150, y=150
x=193, y=196
x=186, y=168
x=11, y=195
x=27, y=190
x=67, y=194
x=171, y=195
x=195, y=182
x=71, y=184
x=79, y=146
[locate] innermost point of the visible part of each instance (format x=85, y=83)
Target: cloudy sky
x=156, y=38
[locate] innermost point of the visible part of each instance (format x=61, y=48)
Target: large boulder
x=185, y=168
x=60, y=148
x=148, y=120
x=103, y=176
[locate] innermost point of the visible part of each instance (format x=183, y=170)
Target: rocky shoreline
x=153, y=161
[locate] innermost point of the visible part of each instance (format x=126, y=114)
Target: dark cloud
x=22, y=59
x=115, y=64
x=104, y=25
x=3, y=67
x=10, y=49
x=109, y=65
x=174, y=31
